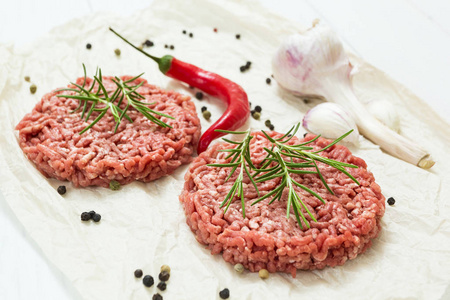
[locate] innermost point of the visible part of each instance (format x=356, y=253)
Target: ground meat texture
x=265, y=239
x=49, y=137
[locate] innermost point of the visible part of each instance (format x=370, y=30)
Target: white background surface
x=410, y=40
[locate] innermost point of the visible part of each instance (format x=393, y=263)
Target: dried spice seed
x=148, y=281
x=268, y=80
x=248, y=64
x=184, y=31
x=97, y=218
x=164, y=276
x=165, y=268
x=117, y=52
x=215, y=29
x=88, y=46
x=267, y=123
x=162, y=286
x=242, y=69
x=166, y=46
x=258, y=108
x=224, y=294
x=157, y=297
x=114, y=185
x=271, y=127
x=33, y=88
x=391, y=201
x=27, y=78
x=148, y=43
x=138, y=273
x=92, y=213
x=85, y=216
x=172, y=47
x=239, y=268
x=61, y=189
x=204, y=108
x=263, y=274
x=256, y=115
x=199, y=95
x=191, y=35
x=238, y=36
x=207, y=115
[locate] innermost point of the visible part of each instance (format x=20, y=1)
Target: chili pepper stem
x=164, y=62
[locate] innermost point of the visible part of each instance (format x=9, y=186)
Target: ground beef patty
x=141, y=150
x=265, y=238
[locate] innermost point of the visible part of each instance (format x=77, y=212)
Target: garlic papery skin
x=331, y=121
x=385, y=112
x=315, y=63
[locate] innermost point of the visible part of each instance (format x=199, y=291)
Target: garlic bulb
x=315, y=63
x=331, y=121
x=385, y=112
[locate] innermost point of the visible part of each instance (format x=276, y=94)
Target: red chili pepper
x=232, y=94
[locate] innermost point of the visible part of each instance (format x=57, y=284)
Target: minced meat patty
x=142, y=150
x=265, y=239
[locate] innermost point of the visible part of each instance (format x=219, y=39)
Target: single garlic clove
x=331, y=121
x=385, y=112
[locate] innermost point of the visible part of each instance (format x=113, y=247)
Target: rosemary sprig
x=280, y=162
x=89, y=100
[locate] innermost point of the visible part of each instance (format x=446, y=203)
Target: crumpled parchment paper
x=143, y=225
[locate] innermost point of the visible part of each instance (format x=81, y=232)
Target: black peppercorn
x=238, y=36
x=184, y=31
x=162, y=286
x=258, y=108
x=92, y=213
x=166, y=46
x=61, y=189
x=271, y=127
x=88, y=46
x=138, y=273
x=224, y=294
x=248, y=64
x=164, y=276
x=148, y=43
x=172, y=47
x=199, y=95
x=157, y=297
x=242, y=68
x=85, y=216
x=391, y=201
x=268, y=80
x=96, y=218
x=148, y=281
x=191, y=35
x=204, y=108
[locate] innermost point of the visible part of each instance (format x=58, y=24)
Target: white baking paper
x=143, y=225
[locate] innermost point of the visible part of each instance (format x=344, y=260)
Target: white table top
x=408, y=39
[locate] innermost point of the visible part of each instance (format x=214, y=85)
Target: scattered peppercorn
x=239, y=268
x=267, y=123
x=88, y=46
x=191, y=35
x=272, y=76
x=157, y=297
x=165, y=268
x=224, y=294
x=138, y=273
x=199, y=95
x=92, y=213
x=172, y=47
x=114, y=185
x=191, y=87
x=256, y=115
x=166, y=46
x=268, y=80
x=391, y=201
x=33, y=88
x=85, y=216
x=162, y=286
x=164, y=276
x=96, y=218
x=304, y=135
x=242, y=68
x=258, y=108
x=271, y=127
x=148, y=281
x=263, y=274
x=204, y=108
x=248, y=64
x=148, y=43
x=184, y=31
x=27, y=78
x=61, y=189
x=238, y=36
x=117, y=52
x=215, y=29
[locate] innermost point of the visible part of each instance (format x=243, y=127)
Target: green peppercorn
x=263, y=274
x=267, y=123
x=114, y=185
x=239, y=268
x=256, y=115
x=33, y=88
x=117, y=52
x=27, y=78
x=165, y=268
x=207, y=115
